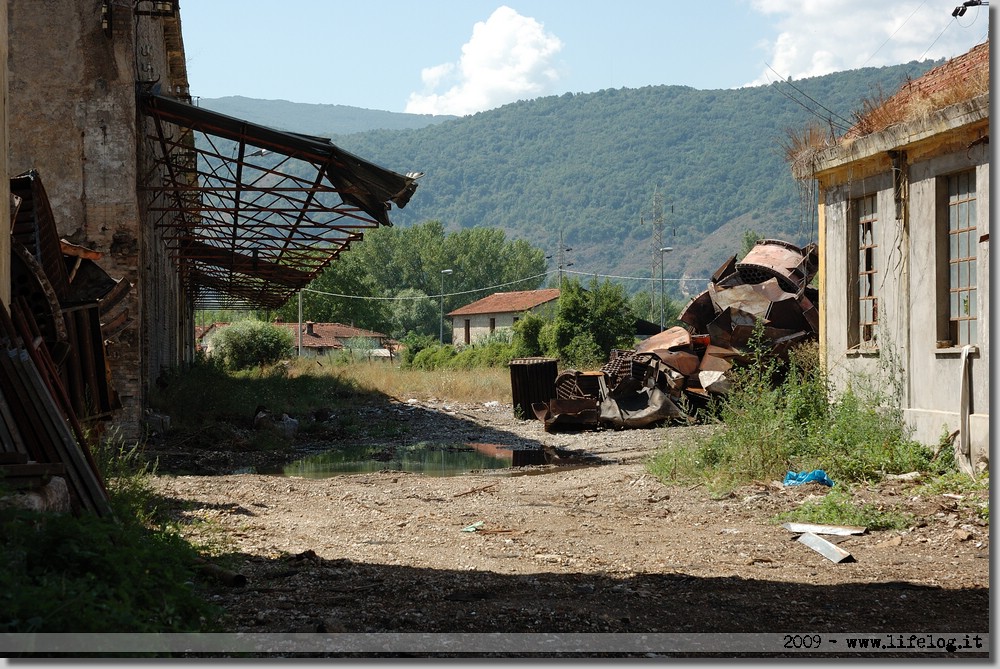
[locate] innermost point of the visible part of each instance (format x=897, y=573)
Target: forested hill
x=313, y=119
x=586, y=166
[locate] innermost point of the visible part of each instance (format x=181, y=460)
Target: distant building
x=322, y=338
x=904, y=239
x=319, y=339
x=498, y=311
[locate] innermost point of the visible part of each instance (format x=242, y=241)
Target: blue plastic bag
x=815, y=476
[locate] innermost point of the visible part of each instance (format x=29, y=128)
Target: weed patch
x=838, y=508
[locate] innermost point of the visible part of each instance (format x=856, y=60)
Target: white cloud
x=508, y=58
x=822, y=36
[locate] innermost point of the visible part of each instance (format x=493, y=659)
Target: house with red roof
x=483, y=317
x=320, y=338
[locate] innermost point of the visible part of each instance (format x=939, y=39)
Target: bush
x=130, y=573
x=413, y=344
x=778, y=417
x=248, y=343
x=433, y=357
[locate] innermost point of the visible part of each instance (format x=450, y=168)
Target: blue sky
x=463, y=56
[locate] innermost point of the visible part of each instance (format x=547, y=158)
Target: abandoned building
x=904, y=238
x=183, y=207
x=482, y=318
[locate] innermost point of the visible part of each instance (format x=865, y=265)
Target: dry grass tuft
x=479, y=385
x=800, y=145
x=914, y=102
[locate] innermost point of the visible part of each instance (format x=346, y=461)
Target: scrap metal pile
x=674, y=374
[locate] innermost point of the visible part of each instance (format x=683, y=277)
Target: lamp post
x=443, y=272
x=663, y=250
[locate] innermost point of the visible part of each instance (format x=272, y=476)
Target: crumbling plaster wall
x=72, y=117
x=930, y=382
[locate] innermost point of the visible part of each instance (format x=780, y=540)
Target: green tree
x=390, y=261
x=249, y=343
x=413, y=312
x=527, y=331
x=321, y=301
x=611, y=321
x=588, y=323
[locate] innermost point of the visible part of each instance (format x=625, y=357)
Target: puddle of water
x=433, y=459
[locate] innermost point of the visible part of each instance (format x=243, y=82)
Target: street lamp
x=665, y=249
x=443, y=272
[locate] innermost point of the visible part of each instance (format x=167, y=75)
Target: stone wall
x=72, y=117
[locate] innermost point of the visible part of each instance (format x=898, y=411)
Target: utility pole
x=443, y=272
x=562, y=258
x=665, y=249
x=658, y=248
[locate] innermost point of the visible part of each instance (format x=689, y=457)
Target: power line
x=894, y=32
x=946, y=26
x=828, y=119
x=502, y=285
x=632, y=278
x=421, y=297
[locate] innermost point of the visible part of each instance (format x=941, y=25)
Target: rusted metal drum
x=792, y=266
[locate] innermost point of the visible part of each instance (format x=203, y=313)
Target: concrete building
x=904, y=239
x=483, y=317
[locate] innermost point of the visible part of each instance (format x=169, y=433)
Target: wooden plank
x=9, y=432
x=92, y=495
x=29, y=469
x=831, y=552
x=13, y=458
x=840, y=530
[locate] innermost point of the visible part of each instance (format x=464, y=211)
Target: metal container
x=532, y=380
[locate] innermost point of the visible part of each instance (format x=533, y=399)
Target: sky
x=459, y=57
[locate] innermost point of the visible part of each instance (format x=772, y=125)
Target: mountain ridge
x=584, y=169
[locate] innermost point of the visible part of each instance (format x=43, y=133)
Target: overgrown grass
x=130, y=573
x=780, y=417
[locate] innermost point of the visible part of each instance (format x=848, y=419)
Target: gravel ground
x=589, y=543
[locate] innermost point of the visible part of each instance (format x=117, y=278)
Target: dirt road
x=570, y=547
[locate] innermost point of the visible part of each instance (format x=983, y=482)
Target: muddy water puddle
x=431, y=458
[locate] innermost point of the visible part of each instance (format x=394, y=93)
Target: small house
x=483, y=317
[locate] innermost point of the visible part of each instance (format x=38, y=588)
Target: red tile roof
x=962, y=75
x=330, y=335
x=956, y=71
x=505, y=303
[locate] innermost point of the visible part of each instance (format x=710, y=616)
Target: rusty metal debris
x=673, y=375
x=55, y=383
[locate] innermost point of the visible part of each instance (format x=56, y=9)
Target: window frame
x=958, y=259
x=862, y=246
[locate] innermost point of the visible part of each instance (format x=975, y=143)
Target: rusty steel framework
x=251, y=214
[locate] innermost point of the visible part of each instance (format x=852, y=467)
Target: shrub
x=245, y=344
x=778, y=417
x=129, y=573
x=838, y=508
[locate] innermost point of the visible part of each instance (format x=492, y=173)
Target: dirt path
x=569, y=548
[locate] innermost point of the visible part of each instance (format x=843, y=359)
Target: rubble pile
x=672, y=375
